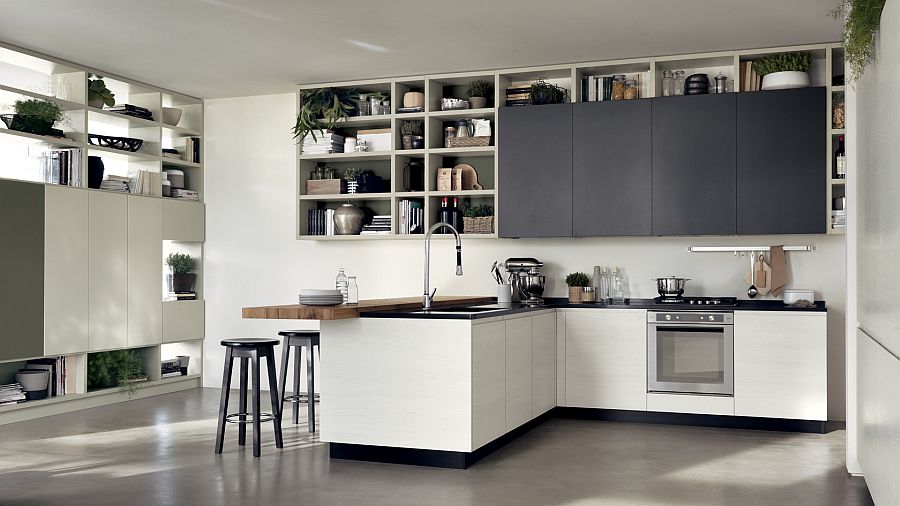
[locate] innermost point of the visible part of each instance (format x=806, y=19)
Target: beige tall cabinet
x=145, y=217
x=108, y=270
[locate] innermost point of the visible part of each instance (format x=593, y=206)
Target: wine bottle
x=456, y=215
x=444, y=215
x=840, y=160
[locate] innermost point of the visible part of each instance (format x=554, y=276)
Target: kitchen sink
x=459, y=310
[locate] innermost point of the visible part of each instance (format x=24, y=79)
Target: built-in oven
x=690, y=352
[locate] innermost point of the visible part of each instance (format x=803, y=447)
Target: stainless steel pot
x=671, y=286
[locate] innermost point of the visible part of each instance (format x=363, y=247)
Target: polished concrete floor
x=159, y=451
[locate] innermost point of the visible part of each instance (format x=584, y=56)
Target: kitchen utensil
x=794, y=295
x=495, y=272
x=764, y=286
x=465, y=128
x=671, y=287
x=468, y=177
x=752, y=291
x=759, y=276
x=779, y=269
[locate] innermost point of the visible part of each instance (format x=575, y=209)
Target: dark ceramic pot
x=95, y=171
x=183, y=281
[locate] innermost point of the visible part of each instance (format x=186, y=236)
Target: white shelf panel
x=462, y=193
x=65, y=105
x=56, y=142
x=138, y=156
x=363, y=121
x=410, y=152
x=409, y=115
x=181, y=131
x=476, y=151
x=349, y=157
x=114, y=118
x=486, y=112
x=348, y=196
x=179, y=163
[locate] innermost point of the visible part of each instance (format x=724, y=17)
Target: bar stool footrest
x=248, y=417
x=299, y=398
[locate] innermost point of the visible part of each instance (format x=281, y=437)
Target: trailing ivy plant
x=322, y=109
x=782, y=62
x=578, y=279
x=861, y=21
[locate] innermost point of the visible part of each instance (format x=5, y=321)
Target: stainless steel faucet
x=426, y=296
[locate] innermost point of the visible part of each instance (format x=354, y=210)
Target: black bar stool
x=299, y=339
x=249, y=349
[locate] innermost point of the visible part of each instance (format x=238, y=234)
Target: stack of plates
x=310, y=297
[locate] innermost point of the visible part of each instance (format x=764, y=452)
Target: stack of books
x=518, y=96
x=62, y=166
x=11, y=393
x=411, y=216
x=190, y=152
x=171, y=153
x=325, y=142
x=838, y=218
x=191, y=295
x=381, y=225
x=115, y=183
x=750, y=80
x=57, y=369
x=170, y=368
x=145, y=182
x=320, y=222
x=181, y=193
x=132, y=110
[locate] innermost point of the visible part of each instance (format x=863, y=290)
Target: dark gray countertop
x=561, y=302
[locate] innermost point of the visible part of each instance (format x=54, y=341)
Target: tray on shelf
x=121, y=143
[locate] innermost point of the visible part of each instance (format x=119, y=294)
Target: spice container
x=631, y=90
x=449, y=133
x=721, y=83
x=678, y=83
x=667, y=83
x=618, y=87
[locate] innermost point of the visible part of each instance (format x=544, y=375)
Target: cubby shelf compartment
x=64, y=105
x=56, y=142
x=485, y=112
x=181, y=131
x=363, y=121
x=103, y=116
x=130, y=156
x=349, y=157
x=347, y=196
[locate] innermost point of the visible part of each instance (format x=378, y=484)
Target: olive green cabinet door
x=66, y=265
x=108, y=271
x=145, y=286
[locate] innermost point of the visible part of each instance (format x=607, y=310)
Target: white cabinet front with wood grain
x=780, y=364
x=519, y=351
x=145, y=216
x=488, y=382
x=66, y=254
x=606, y=358
x=544, y=362
x=108, y=271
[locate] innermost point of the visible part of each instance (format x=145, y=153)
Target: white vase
x=785, y=80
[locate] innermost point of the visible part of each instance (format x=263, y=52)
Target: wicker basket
x=469, y=142
x=480, y=225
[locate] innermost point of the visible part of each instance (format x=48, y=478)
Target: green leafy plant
x=322, y=109
x=578, y=279
x=110, y=368
x=35, y=116
x=180, y=263
x=412, y=127
x=861, y=21
x=97, y=90
x=782, y=62
x=481, y=211
x=479, y=88
x=543, y=92
x=351, y=173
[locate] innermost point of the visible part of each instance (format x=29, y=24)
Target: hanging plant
x=322, y=109
x=861, y=21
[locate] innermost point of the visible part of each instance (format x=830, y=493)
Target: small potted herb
x=412, y=133
x=98, y=94
x=183, y=276
x=34, y=116
x=543, y=92
x=350, y=176
x=577, y=281
x=783, y=70
x=478, y=219
x=478, y=92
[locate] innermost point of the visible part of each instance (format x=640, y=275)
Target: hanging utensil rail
x=741, y=249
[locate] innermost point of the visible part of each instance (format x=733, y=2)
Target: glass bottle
x=352, y=291
x=341, y=283
x=374, y=106
x=362, y=105
x=456, y=216
x=444, y=214
x=631, y=90
x=604, y=284
x=678, y=83
x=667, y=83
x=617, y=286
x=840, y=160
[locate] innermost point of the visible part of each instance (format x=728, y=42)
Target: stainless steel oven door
x=690, y=358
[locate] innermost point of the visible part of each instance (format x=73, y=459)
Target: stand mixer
x=526, y=280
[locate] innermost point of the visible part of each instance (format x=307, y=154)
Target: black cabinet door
x=611, y=170
x=781, y=162
x=694, y=159
x=535, y=190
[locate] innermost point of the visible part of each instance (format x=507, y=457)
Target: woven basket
x=480, y=225
x=469, y=142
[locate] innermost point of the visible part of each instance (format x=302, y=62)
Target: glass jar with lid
x=362, y=105
x=678, y=83
x=618, y=87
x=667, y=83
x=631, y=89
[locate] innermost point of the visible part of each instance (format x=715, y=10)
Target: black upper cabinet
x=611, y=168
x=535, y=190
x=694, y=159
x=781, y=162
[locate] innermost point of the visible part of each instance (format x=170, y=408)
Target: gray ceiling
x=221, y=48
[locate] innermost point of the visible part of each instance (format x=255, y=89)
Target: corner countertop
x=345, y=311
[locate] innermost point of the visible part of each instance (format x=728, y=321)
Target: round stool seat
x=299, y=333
x=249, y=342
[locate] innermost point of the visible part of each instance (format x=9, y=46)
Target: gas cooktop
x=697, y=301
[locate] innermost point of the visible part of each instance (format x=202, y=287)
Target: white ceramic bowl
x=171, y=115
x=785, y=80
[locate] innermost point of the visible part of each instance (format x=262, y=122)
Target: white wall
x=252, y=257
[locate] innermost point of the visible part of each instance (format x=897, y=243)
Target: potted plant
x=322, y=109
x=350, y=175
x=183, y=275
x=111, y=368
x=783, y=70
x=34, y=116
x=412, y=133
x=478, y=92
x=98, y=94
x=478, y=219
x=577, y=281
x=862, y=19
x=543, y=92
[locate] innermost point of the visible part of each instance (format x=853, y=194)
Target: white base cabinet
x=606, y=358
x=780, y=364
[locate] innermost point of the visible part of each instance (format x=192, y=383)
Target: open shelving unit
x=827, y=63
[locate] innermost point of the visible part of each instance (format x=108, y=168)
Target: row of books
x=145, y=182
x=191, y=150
x=326, y=141
x=11, y=393
x=380, y=225
x=62, y=166
x=518, y=96
x=320, y=222
x=411, y=217
x=750, y=80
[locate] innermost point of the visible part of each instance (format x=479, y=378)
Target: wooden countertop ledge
x=344, y=311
